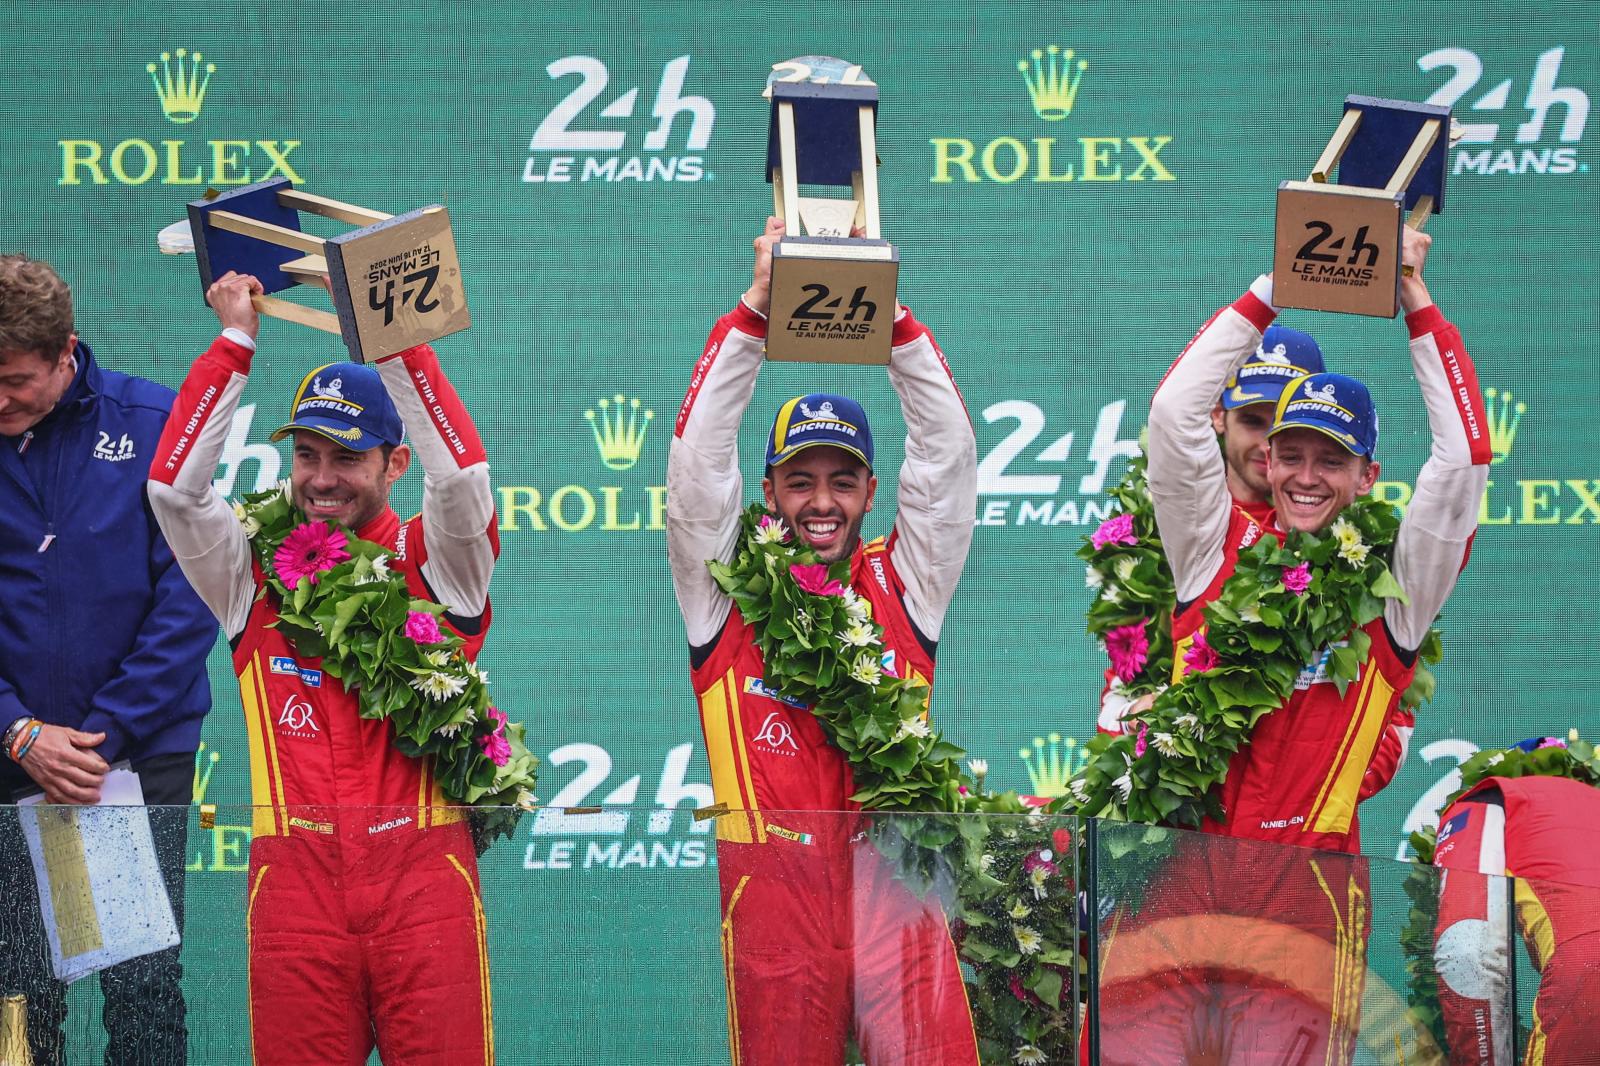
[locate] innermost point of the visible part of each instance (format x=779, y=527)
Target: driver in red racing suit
x=817, y=933
x=364, y=920
x=1256, y=955
x=1539, y=830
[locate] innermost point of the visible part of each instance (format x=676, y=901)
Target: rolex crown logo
x=202, y=773
x=1504, y=418
x=619, y=428
x=1053, y=78
x=1051, y=766
x=181, y=83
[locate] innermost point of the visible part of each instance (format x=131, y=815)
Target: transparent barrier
x=643, y=936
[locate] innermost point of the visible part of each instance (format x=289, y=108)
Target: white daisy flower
x=771, y=531
x=1036, y=878
x=1079, y=788
x=1109, y=594
x=1125, y=567
x=857, y=607
x=1028, y=1055
x=1092, y=578
x=1124, y=785
x=450, y=729
x=867, y=669
x=1020, y=910
x=1165, y=744
x=979, y=767
x=1354, y=554
x=1251, y=612
x=1027, y=939
x=858, y=634
x=251, y=524
x=911, y=727
x=439, y=686
x=986, y=862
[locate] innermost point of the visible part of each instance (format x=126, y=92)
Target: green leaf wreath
x=1573, y=758
x=339, y=600
x=1007, y=881
x=1283, y=605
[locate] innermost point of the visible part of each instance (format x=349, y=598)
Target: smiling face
x=1244, y=448
x=822, y=493
x=329, y=482
x=1313, y=478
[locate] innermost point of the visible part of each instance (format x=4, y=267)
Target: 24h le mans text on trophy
x=833, y=294
x=1338, y=245
x=396, y=281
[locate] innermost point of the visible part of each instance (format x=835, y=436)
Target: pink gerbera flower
x=814, y=579
x=311, y=548
x=495, y=745
x=1297, y=579
x=1139, y=744
x=1118, y=530
x=423, y=627
x=1201, y=656
x=1129, y=650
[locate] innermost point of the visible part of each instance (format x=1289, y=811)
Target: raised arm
x=458, y=520
x=704, y=489
x=938, y=499
x=1188, y=477
x=1470, y=953
x=200, y=527
x=1436, y=532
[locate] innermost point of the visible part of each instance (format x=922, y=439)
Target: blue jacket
x=99, y=630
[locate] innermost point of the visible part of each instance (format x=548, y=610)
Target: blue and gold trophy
x=833, y=274
x=1338, y=242
x=395, y=281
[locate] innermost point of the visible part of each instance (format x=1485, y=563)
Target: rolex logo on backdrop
x=182, y=80
x=619, y=429
x=1057, y=83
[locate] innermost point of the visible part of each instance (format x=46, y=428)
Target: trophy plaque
x=396, y=281
x=833, y=294
x=1338, y=245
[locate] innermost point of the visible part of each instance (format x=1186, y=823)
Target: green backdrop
x=603, y=168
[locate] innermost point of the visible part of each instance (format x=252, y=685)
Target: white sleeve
x=205, y=536
x=938, y=496
x=458, y=520
x=704, y=489
x=1187, y=474
x=1436, y=532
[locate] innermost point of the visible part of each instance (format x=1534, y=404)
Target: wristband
x=12, y=731
x=21, y=752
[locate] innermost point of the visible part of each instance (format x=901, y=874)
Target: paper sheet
x=100, y=887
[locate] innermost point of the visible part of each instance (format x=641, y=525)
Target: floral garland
x=1006, y=881
x=1573, y=758
x=1283, y=605
x=339, y=600
x=1131, y=612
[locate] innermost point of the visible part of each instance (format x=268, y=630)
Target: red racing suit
x=364, y=918
x=1541, y=831
x=818, y=936
x=1306, y=766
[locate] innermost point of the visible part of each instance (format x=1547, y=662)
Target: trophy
x=396, y=281
x=833, y=295
x=1338, y=245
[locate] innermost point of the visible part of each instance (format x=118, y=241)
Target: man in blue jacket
x=102, y=644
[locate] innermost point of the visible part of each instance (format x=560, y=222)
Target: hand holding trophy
x=396, y=281
x=833, y=291
x=1339, y=245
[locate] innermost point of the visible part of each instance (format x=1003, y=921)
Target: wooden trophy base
x=833, y=300
x=1337, y=249
x=397, y=284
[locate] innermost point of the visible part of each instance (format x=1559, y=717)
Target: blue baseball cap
x=1283, y=355
x=347, y=403
x=1334, y=405
x=819, y=418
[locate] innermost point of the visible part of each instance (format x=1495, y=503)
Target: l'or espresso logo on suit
x=1056, y=82
x=178, y=82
